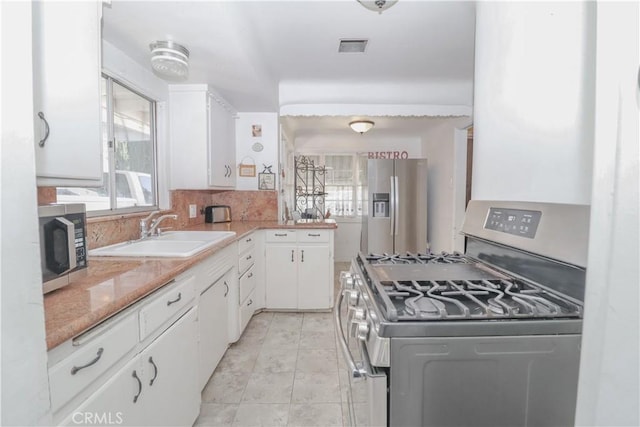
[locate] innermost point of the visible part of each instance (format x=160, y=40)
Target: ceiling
x=276, y=55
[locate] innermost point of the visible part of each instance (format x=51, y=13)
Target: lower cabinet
x=299, y=269
x=157, y=387
x=212, y=323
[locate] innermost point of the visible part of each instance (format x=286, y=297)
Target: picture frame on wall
x=247, y=170
x=267, y=181
x=256, y=131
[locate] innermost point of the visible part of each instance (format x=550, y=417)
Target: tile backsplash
x=245, y=206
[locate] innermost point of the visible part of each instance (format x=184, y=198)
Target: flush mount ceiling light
x=361, y=126
x=377, y=5
x=169, y=60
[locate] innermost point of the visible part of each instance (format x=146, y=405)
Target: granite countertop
x=112, y=284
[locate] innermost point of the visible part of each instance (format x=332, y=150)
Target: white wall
x=245, y=140
x=609, y=389
x=439, y=149
x=25, y=386
x=534, y=101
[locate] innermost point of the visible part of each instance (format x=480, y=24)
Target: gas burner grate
x=473, y=299
x=417, y=258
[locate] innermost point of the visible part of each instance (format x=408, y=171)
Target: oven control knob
x=363, y=331
x=354, y=298
x=346, y=279
x=359, y=314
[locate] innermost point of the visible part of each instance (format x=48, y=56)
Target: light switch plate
x=193, y=211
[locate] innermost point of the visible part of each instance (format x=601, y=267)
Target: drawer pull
x=313, y=235
x=248, y=258
x=248, y=240
x=250, y=302
x=226, y=288
x=135, y=375
x=250, y=275
x=155, y=371
x=175, y=300
x=281, y=234
x=302, y=260
x=291, y=255
x=75, y=369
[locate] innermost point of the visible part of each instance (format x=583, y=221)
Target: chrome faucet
x=144, y=229
x=156, y=222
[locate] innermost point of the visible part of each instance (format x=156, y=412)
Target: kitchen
x=552, y=152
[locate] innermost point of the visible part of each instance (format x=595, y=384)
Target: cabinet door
x=120, y=401
x=170, y=364
x=67, y=66
x=212, y=324
x=281, y=276
x=314, y=283
x=221, y=145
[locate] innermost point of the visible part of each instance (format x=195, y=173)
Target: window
x=345, y=182
x=129, y=154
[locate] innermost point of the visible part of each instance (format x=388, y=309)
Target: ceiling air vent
x=352, y=45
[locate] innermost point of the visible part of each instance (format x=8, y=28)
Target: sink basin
x=180, y=244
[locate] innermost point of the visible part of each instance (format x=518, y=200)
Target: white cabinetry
x=245, y=304
x=202, y=129
x=299, y=269
x=138, y=368
x=66, y=72
x=216, y=278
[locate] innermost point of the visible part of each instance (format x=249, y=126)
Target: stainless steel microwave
x=63, y=244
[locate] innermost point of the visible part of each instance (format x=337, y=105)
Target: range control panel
x=513, y=221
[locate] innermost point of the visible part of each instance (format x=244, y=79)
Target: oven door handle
x=356, y=371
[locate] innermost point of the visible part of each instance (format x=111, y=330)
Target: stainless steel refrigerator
x=395, y=219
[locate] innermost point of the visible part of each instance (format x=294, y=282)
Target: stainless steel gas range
x=488, y=338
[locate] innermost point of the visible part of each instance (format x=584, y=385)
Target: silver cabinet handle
x=46, y=131
x=302, y=260
x=280, y=234
x=155, y=370
x=250, y=275
x=313, y=235
x=175, y=300
x=248, y=240
x=75, y=369
x=248, y=258
x=291, y=255
x=226, y=288
x=135, y=375
x=250, y=302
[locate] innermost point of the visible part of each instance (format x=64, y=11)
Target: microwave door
x=60, y=251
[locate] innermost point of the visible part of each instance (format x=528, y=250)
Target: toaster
x=217, y=213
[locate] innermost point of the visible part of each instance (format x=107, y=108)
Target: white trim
x=376, y=110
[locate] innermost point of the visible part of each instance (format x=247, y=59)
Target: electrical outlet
x=193, y=209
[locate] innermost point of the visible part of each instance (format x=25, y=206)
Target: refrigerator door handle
x=392, y=203
x=397, y=206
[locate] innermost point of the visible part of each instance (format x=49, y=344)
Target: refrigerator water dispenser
x=381, y=205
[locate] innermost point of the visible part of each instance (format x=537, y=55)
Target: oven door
x=367, y=392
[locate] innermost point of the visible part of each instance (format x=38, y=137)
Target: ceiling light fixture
x=169, y=60
x=377, y=5
x=361, y=126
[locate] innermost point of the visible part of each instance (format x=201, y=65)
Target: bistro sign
x=388, y=155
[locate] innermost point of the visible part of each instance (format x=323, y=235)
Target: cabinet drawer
x=246, y=242
x=311, y=236
x=246, y=260
x=247, y=284
x=280, y=236
x=165, y=305
x=93, y=358
x=246, y=310
x=215, y=267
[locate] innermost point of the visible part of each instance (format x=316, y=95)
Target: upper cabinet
x=66, y=74
x=203, y=153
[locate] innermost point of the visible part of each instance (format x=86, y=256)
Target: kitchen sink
x=180, y=244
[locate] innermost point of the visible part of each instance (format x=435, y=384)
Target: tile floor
x=285, y=370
